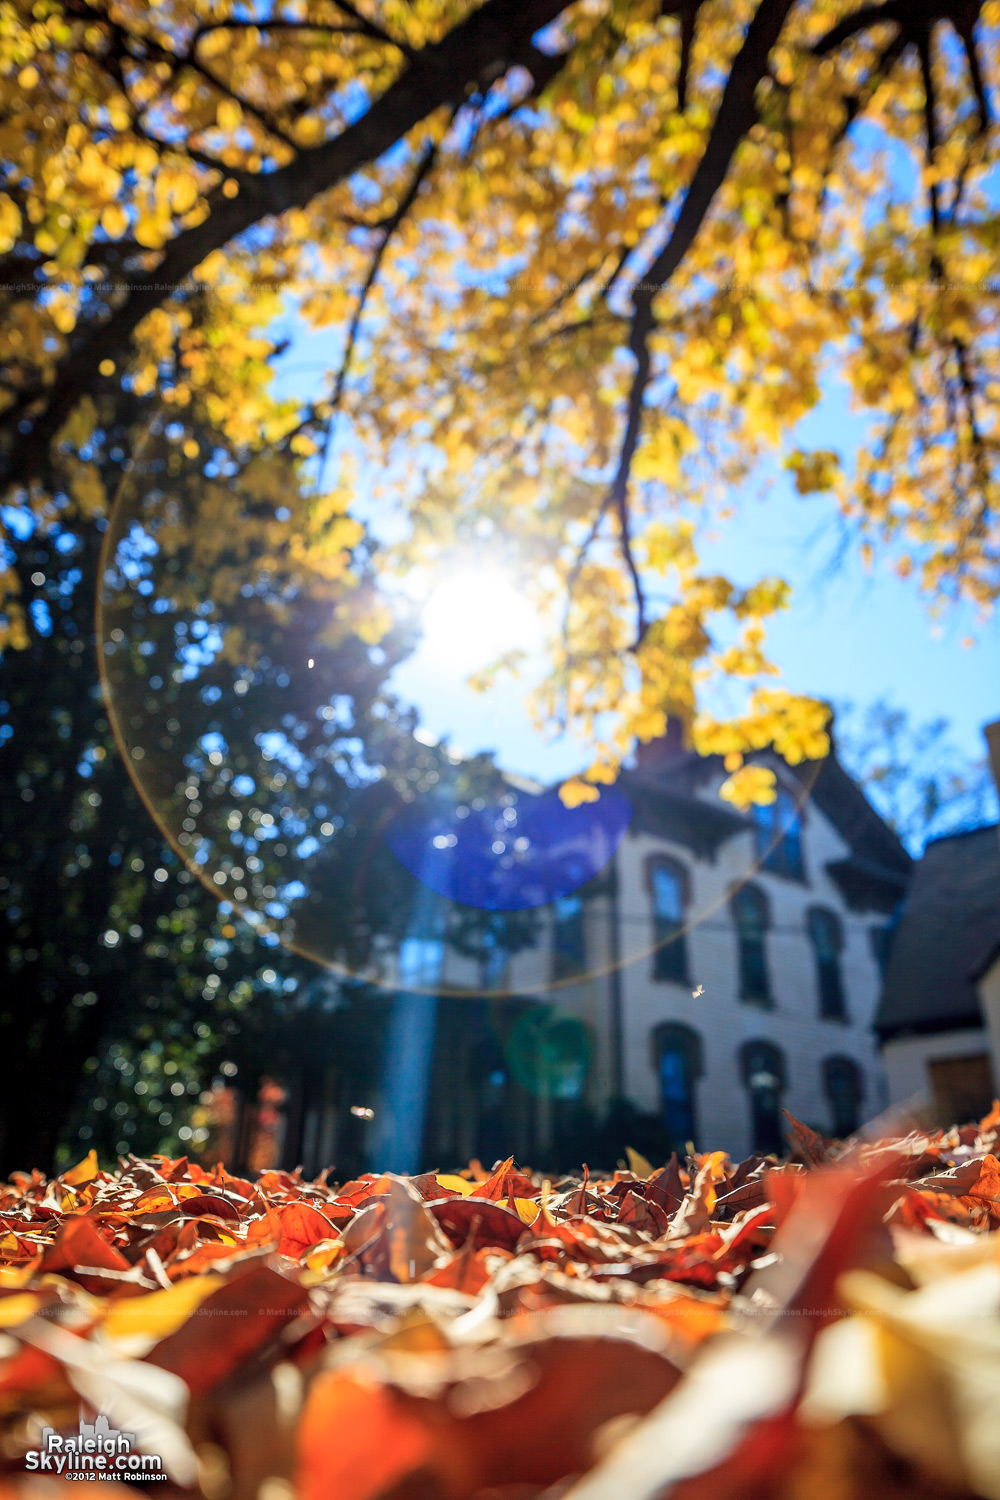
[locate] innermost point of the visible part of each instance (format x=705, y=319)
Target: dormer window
x=667, y=882
x=778, y=828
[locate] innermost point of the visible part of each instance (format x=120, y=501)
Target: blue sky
x=851, y=633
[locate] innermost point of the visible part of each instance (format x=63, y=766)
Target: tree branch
x=498, y=31
x=737, y=112
x=424, y=168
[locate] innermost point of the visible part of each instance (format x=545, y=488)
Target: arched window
x=779, y=835
x=677, y=1054
x=751, y=916
x=845, y=1087
x=762, y=1065
x=569, y=947
x=667, y=882
x=827, y=938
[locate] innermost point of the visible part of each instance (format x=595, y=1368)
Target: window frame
x=839, y=1060
x=758, y=965
x=830, y=988
x=685, y=1041
x=772, y=845
x=771, y=1059
x=670, y=959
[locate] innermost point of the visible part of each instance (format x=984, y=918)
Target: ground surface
x=828, y=1327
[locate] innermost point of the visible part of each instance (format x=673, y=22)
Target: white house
x=721, y=967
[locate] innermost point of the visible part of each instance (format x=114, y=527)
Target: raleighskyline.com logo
x=96, y=1451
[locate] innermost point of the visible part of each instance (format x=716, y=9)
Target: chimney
x=654, y=755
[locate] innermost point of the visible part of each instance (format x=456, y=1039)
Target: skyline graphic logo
x=95, y=1451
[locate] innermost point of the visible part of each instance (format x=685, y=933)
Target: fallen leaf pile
x=827, y=1328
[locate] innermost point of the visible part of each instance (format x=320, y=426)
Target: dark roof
x=668, y=806
x=951, y=918
x=841, y=800
x=873, y=877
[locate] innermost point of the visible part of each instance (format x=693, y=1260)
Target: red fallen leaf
x=836, y=1224
x=32, y=1372
x=745, y=1237
x=155, y=1200
x=429, y=1188
x=80, y=1243
x=239, y=1185
x=808, y=1143
x=665, y=1188
x=642, y=1213
x=487, y=1223
x=625, y=1182
x=507, y=1182
x=395, y=1238
x=273, y=1182
x=301, y=1227
x=231, y=1326
x=354, y=1442
x=979, y=1178
x=782, y=1186
x=584, y=1240
x=265, y=1230
x=987, y=1186
x=466, y=1271
x=212, y=1205
x=749, y=1195
x=530, y=1418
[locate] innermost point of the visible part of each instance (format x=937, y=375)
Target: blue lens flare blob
x=511, y=852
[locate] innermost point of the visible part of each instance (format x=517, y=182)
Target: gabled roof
x=844, y=804
x=950, y=920
x=873, y=876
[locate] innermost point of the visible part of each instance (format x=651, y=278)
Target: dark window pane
x=779, y=836
x=753, y=970
x=668, y=894
x=827, y=940
x=843, y=1081
x=750, y=911
x=670, y=952
x=678, y=1104
x=678, y=1052
x=831, y=989
x=764, y=1075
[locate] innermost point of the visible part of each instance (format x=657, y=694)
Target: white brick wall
x=723, y=1021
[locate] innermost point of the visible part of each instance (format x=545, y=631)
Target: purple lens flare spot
x=510, y=853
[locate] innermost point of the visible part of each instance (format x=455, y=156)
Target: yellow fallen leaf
x=455, y=1184
x=159, y=1313
x=322, y=1256
x=527, y=1209
x=84, y=1171
x=15, y=1275
x=17, y=1309
x=638, y=1163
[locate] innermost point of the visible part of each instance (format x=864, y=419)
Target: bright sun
x=474, y=615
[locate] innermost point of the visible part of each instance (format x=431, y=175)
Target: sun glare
x=475, y=615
